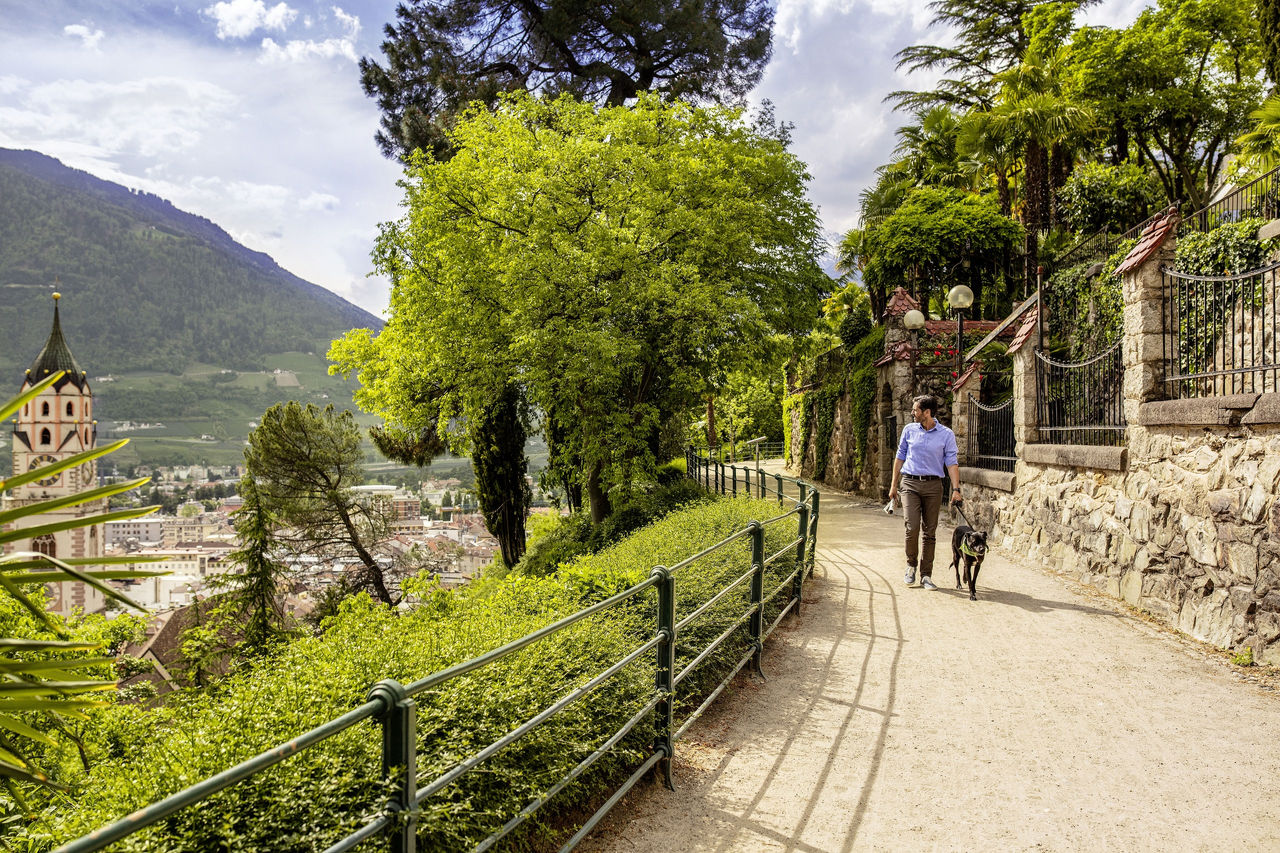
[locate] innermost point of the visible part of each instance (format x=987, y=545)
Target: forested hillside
x=147, y=286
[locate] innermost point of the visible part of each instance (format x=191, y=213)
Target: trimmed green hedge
x=310, y=800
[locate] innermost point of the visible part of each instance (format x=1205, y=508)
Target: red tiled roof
x=1030, y=321
x=945, y=327
x=1149, y=241
x=973, y=368
x=900, y=303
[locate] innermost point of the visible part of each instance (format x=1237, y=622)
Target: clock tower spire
x=54, y=425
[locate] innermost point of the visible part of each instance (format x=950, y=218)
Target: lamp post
x=959, y=298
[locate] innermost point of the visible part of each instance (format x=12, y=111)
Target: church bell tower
x=54, y=425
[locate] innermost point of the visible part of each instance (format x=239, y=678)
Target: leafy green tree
x=604, y=259
x=1099, y=195
x=304, y=462
x=1269, y=24
x=1178, y=85
x=933, y=233
x=440, y=56
x=1260, y=147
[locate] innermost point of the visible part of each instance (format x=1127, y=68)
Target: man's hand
x=893, y=491
x=955, y=496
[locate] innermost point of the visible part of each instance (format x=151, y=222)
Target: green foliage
x=824, y=402
x=1229, y=249
x=790, y=402
x=854, y=326
x=1092, y=306
x=862, y=389
x=254, y=596
x=1100, y=195
x=1269, y=25
x=1243, y=658
x=607, y=260
x=308, y=801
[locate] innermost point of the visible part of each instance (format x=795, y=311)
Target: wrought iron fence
x=1101, y=245
x=1260, y=197
x=1221, y=333
x=1081, y=403
x=392, y=705
x=990, y=441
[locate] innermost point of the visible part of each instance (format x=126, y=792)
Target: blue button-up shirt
x=924, y=452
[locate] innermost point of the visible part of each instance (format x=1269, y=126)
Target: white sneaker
x=910, y=576
x=928, y=583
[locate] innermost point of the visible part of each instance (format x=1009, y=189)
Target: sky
x=250, y=112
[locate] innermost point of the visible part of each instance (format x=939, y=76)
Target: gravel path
x=1041, y=717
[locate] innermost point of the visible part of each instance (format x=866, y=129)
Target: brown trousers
x=921, y=502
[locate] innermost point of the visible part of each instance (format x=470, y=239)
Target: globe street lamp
x=959, y=298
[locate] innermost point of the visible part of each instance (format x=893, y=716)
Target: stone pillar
x=1142, y=289
x=967, y=384
x=1026, y=423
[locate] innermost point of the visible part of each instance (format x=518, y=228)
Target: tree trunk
x=600, y=507
x=1006, y=197
x=712, y=435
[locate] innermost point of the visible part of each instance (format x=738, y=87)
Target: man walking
x=927, y=456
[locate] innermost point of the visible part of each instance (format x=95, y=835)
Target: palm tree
x=39, y=684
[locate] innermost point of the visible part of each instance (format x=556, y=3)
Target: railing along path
x=392, y=704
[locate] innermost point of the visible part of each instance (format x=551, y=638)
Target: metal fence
x=1258, y=198
x=990, y=442
x=1081, y=403
x=1221, y=333
x=392, y=706
x=1102, y=244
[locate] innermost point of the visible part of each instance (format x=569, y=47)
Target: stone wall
x=1182, y=522
x=1190, y=532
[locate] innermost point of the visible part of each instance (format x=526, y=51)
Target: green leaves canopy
x=607, y=259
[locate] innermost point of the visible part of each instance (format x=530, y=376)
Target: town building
x=57, y=424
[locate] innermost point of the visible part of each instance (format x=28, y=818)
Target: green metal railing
x=392, y=705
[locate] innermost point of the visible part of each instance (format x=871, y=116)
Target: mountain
x=146, y=286
x=187, y=336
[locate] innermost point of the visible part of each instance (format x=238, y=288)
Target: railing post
x=734, y=469
x=803, y=535
x=665, y=675
x=757, y=592
x=778, y=478
x=813, y=532
x=400, y=757
x=746, y=474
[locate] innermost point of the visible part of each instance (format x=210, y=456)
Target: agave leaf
x=16, y=726
x=18, y=402
x=63, y=577
x=118, y=560
x=84, y=521
x=51, y=668
x=43, y=704
x=71, y=500
x=13, y=689
x=84, y=577
x=10, y=644
x=61, y=465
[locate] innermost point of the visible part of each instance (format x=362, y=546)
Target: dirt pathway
x=1041, y=717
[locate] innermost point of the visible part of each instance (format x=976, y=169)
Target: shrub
x=1099, y=195
x=308, y=801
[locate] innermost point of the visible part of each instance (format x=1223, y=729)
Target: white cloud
x=146, y=117
x=10, y=83
x=300, y=51
x=320, y=201
x=242, y=18
x=88, y=38
x=350, y=23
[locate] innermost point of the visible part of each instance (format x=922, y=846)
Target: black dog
x=968, y=546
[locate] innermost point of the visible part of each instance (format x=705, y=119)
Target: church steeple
x=56, y=356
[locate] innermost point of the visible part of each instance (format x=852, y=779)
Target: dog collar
x=966, y=550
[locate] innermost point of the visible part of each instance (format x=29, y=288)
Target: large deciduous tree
x=305, y=462
x=606, y=260
x=442, y=54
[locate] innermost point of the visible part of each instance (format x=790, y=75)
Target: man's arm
x=893, y=483
x=954, y=472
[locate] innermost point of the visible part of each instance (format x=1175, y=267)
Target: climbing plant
x=824, y=411
x=862, y=389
